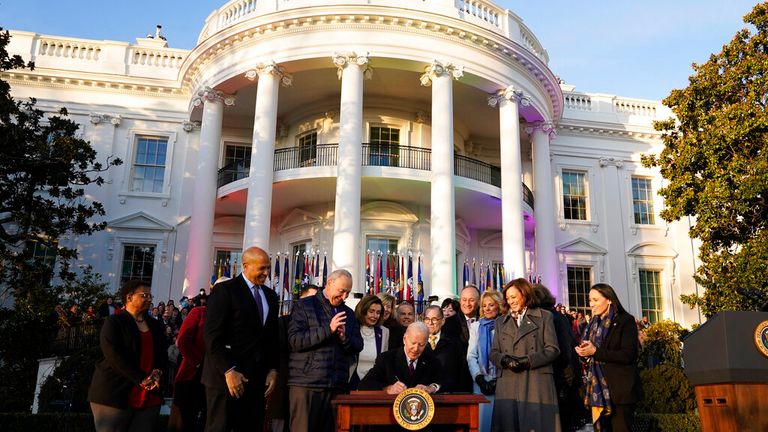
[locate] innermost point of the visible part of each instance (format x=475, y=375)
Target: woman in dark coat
x=610, y=351
x=125, y=389
x=524, y=348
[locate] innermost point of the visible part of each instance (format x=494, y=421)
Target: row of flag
x=489, y=277
x=393, y=273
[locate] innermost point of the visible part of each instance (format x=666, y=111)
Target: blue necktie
x=259, y=306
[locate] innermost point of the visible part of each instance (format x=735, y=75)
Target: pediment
x=298, y=217
x=387, y=211
x=652, y=249
x=581, y=245
x=139, y=221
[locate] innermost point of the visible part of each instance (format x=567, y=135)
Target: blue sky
x=635, y=49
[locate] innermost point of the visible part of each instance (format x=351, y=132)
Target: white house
x=431, y=128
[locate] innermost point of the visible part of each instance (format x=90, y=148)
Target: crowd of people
x=241, y=366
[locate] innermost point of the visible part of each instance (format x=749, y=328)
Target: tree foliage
x=44, y=168
x=716, y=161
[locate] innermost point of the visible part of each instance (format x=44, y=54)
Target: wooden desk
x=375, y=408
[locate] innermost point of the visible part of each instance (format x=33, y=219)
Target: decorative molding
x=438, y=69
x=600, y=131
x=605, y=161
x=342, y=60
x=207, y=94
x=114, y=120
x=272, y=68
x=546, y=127
x=330, y=115
x=189, y=126
x=421, y=117
x=510, y=93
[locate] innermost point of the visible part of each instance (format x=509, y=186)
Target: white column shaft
x=200, y=246
x=258, y=211
x=443, y=227
x=544, y=213
x=512, y=227
x=346, y=227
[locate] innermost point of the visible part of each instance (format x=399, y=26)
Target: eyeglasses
x=145, y=296
x=432, y=320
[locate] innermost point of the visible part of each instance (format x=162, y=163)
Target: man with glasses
x=241, y=336
x=445, y=350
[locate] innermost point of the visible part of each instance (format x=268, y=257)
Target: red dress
x=139, y=397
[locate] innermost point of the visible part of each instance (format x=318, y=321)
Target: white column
x=512, y=226
x=442, y=242
x=258, y=208
x=352, y=69
x=200, y=247
x=544, y=208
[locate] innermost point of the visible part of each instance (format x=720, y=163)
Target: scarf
x=598, y=395
x=484, y=340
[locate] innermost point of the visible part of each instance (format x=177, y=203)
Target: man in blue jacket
x=324, y=335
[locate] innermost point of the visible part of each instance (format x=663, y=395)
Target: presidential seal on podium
x=761, y=337
x=413, y=409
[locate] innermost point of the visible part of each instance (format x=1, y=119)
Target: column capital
x=271, y=67
x=114, y=120
x=544, y=126
x=189, y=126
x=438, y=69
x=605, y=161
x=511, y=94
x=342, y=60
x=207, y=94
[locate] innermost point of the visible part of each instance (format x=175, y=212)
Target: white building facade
x=434, y=131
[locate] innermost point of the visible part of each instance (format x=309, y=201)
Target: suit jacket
x=191, y=344
x=118, y=371
x=457, y=329
x=235, y=337
x=392, y=366
x=619, y=356
x=448, y=353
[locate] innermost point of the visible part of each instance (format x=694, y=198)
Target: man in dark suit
x=446, y=350
x=405, y=367
x=241, y=336
x=405, y=314
x=457, y=328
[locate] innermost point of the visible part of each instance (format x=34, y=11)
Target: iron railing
x=373, y=155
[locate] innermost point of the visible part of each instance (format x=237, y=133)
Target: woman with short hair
x=375, y=337
x=125, y=388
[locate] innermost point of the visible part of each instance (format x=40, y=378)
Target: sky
x=639, y=49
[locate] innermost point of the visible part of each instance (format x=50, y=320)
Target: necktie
x=411, y=366
x=259, y=305
x=432, y=341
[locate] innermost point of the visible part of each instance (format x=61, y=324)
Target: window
x=308, y=148
x=138, y=263
x=579, y=283
x=384, y=146
x=574, y=195
x=42, y=254
x=383, y=245
x=227, y=263
x=234, y=153
x=149, y=164
x=650, y=294
x=642, y=201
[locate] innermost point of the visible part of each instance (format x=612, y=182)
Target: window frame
x=121, y=261
x=591, y=271
x=586, y=195
x=648, y=202
x=659, y=312
x=310, y=148
x=592, y=220
x=390, y=158
x=130, y=156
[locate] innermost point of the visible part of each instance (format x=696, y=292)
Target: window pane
x=642, y=201
x=574, y=195
x=149, y=165
x=650, y=294
x=138, y=263
x=579, y=283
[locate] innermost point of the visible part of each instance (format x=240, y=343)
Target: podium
x=729, y=372
x=374, y=408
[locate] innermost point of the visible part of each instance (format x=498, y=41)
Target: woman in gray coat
x=524, y=348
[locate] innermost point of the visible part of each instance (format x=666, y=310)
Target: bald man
x=240, y=333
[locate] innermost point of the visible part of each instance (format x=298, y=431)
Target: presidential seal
x=413, y=409
x=761, y=337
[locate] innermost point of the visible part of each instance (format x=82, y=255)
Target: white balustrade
x=484, y=10
x=575, y=101
x=639, y=108
x=156, y=57
x=68, y=49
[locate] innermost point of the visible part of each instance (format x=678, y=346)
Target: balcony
x=417, y=158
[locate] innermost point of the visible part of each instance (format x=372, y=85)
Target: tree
x=716, y=161
x=44, y=169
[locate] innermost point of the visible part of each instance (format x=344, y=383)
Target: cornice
x=35, y=79
x=269, y=26
x=610, y=131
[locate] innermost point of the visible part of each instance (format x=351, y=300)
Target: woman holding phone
x=609, y=350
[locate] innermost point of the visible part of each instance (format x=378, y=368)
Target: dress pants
x=226, y=413
x=311, y=409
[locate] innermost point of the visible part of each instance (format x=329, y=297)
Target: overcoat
x=527, y=400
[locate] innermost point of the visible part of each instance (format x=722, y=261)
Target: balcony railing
x=417, y=158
